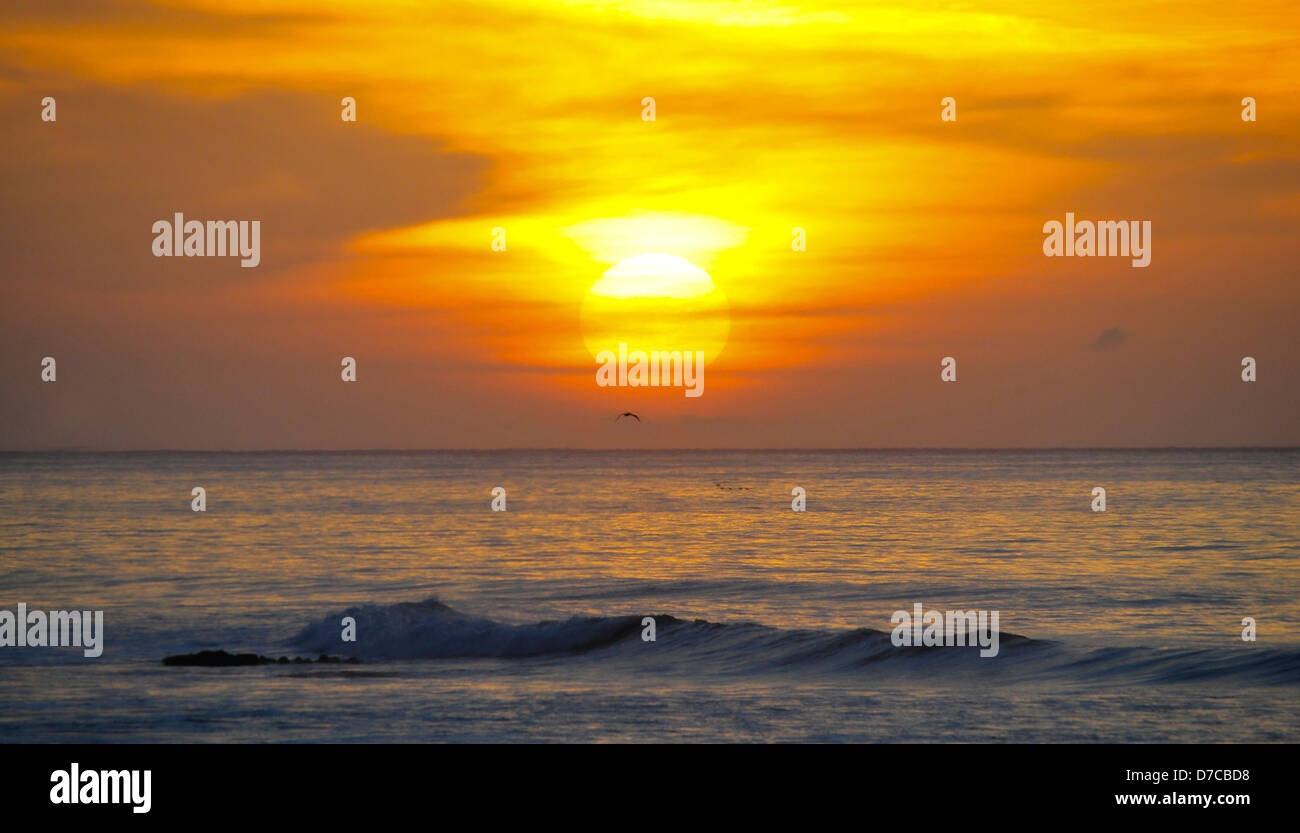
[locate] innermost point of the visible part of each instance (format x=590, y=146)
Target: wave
x=430, y=630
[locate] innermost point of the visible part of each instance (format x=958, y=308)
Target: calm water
x=525, y=625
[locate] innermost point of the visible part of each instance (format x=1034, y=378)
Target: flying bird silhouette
x=627, y=413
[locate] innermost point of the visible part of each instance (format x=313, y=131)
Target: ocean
x=771, y=625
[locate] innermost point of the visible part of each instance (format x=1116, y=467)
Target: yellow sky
x=923, y=237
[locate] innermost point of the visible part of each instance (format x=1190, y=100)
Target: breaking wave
x=430, y=630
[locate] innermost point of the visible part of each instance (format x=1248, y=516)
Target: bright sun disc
x=656, y=302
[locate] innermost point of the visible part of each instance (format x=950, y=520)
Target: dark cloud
x=82, y=193
x=1109, y=339
x=198, y=352
x=157, y=17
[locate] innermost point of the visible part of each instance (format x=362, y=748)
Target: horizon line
x=807, y=449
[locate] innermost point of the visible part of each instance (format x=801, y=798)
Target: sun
x=656, y=302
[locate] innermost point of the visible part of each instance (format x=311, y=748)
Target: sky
x=523, y=124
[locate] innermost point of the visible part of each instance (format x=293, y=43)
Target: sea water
x=771, y=625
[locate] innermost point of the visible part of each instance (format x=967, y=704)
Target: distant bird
x=627, y=413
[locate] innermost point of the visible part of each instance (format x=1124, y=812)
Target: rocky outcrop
x=224, y=659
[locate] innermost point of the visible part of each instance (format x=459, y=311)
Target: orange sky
x=923, y=237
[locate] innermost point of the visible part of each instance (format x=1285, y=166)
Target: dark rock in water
x=224, y=659
x=214, y=659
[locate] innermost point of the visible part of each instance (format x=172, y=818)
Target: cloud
x=1109, y=339
x=83, y=193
